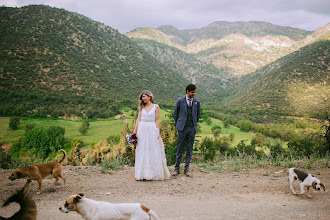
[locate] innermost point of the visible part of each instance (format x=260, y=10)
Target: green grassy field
x=239, y=135
x=102, y=129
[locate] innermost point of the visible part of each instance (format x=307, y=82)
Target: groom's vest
x=189, y=121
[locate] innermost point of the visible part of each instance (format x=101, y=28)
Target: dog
x=306, y=179
x=39, y=171
x=98, y=210
x=28, y=210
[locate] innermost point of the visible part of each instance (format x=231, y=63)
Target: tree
x=208, y=121
x=216, y=130
x=84, y=127
x=14, y=123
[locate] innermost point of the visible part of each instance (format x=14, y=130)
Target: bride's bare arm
x=157, y=119
x=157, y=116
x=137, y=121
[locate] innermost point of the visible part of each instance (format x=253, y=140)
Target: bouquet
x=132, y=139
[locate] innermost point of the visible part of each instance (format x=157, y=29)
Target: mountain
x=212, y=81
x=297, y=84
x=51, y=58
x=239, y=47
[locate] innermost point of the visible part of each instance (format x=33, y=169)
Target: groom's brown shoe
x=187, y=173
x=176, y=173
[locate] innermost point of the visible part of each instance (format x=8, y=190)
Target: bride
x=150, y=160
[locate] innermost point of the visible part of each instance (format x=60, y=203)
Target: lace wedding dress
x=150, y=160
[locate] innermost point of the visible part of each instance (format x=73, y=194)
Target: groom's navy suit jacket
x=180, y=113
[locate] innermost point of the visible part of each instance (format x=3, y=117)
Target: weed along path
x=248, y=194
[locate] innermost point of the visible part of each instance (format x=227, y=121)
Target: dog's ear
x=81, y=194
x=77, y=199
x=321, y=184
x=314, y=184
x=19, y=174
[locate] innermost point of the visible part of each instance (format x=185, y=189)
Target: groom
x=186, y=115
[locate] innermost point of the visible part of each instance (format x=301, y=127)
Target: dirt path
x=250, y=194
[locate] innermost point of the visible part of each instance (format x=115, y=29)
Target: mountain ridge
x=226, y=44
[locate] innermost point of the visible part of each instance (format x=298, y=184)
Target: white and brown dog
x=307, y=180
x=96, y=210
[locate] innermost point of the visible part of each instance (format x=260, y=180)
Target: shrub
x=275, y=150
x=14, y=123
x=245, y=125
x=5, y=160
x=207, y=148
x=208, y=121
x=43, y=141
x=216, y=130
x=84, y=127
x=301, y=146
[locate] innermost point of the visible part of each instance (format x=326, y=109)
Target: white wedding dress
x=150, y=160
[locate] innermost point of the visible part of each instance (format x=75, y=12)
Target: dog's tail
x=150, y=212
x=281, y=171
x=28, y=208
x=153, y=214
x=63, y=156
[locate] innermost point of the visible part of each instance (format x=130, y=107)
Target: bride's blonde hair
x=148, y=93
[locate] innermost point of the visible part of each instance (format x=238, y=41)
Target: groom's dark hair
x=190, y=87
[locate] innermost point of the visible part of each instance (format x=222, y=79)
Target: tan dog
x=39, y=171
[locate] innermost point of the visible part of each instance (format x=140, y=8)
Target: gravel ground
x=249, y=194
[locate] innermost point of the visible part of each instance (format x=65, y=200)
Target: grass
x=98, y=130
x=239, y=135
x=228, y=163
x=101, y=129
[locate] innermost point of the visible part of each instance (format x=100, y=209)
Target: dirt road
x=249, y=194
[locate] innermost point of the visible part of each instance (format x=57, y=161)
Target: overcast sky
x=126, y=15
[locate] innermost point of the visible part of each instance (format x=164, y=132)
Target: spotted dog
x=306, y=179
x=98, y=210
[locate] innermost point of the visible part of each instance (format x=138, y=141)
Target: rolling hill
x=297, y=84
x=55, y=60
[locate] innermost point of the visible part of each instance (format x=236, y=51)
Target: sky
x=126, y=15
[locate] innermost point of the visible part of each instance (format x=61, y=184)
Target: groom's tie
x=189, y=101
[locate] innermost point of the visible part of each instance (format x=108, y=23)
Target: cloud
x=126, y=15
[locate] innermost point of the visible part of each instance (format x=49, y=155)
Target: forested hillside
x=297, y=84
x=57, y=62
x=212, y=82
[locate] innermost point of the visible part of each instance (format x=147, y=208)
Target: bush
x=245, y=125
x=5, y=160
x=84, y=127
x=301, y=146
x=43, y=141
x=14, y=123
x=208, y=121
x=112, y=164
x=171, y=153
x=216, y=130
x=207, y=148
x=276, y=150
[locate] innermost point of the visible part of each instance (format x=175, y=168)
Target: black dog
x=28, y=210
